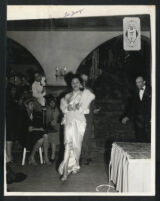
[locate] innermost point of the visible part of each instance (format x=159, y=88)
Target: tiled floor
x=44, y=178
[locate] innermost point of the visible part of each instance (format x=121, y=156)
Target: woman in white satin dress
x=74, y=105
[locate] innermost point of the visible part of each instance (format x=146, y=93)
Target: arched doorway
x=112, y=72
x=21, y=61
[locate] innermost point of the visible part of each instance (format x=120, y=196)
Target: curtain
x=94, y=70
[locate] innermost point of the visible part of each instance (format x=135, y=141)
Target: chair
x=24, y=155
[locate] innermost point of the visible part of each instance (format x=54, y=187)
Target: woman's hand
x=70, y=108
x=77, y=106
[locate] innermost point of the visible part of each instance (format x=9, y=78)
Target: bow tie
x=142, y=89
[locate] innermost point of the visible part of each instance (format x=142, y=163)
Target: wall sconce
x=60, y=72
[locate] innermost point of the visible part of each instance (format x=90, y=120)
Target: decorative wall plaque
x=131, y=34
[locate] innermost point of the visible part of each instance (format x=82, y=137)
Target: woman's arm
x=37, y=93
x=64, y=105
x=31, y=128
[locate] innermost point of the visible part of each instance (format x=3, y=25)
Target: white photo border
x=19, y=12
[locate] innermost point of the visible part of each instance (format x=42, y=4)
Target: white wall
x=61, y=48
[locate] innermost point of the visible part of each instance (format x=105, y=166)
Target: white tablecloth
x=130, y=167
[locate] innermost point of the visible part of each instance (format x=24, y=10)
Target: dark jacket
x=25, y=122
x=139, y=110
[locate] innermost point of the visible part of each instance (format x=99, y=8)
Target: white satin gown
x=74, y=127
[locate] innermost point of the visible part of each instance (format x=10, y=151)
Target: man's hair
x=50, y=98
x=84, y=74
x=140, y=76
x=37, y=73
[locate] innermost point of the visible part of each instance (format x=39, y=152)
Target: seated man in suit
x=139, y=111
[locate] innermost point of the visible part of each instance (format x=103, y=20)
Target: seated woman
x=31, y=128
x=74, y=107
x=11, y=119
x=52, y=124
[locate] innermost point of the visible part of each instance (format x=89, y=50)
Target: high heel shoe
x=65, y=174
x=64, y=178
x=52, y=161
x=32, y=161
x=53, y=157
x=47, y=162
x=75, y=171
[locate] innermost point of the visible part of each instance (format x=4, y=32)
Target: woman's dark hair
x=84, y=74
x=76, y=76
x=28, y=100
x=13, y=87
x=68, y=78
x=24, y=76
x=50, y=98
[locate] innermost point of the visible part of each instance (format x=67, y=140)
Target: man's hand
x=39, y=129
x=124, y=120
x=30, y=129
x=96, y=110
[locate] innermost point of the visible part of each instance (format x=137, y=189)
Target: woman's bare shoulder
x=88, y=91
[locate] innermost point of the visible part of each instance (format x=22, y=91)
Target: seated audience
x=26, y=87
x=18, y=85
x=52, y=124
x=11, y=119
x=11, y=81
x=12, y=176
x=32, y=132
x=38, y=89
x=25, y=82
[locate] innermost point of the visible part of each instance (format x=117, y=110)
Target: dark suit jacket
x=140, y=110
x=25, y=122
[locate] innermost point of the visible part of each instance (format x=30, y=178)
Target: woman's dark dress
x=12, y=111
x=28, y=139
x=87, y=138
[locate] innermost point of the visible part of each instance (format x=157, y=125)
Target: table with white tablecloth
x=130, y=167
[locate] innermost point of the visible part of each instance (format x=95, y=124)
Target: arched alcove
x=21, y=61
x=112, y=72
x=111, y=58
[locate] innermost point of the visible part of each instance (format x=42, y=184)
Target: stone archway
x=20, y=60
x=110, y=57
x=112, y=72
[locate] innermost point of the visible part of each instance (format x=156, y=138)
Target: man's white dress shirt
x=141, y=92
